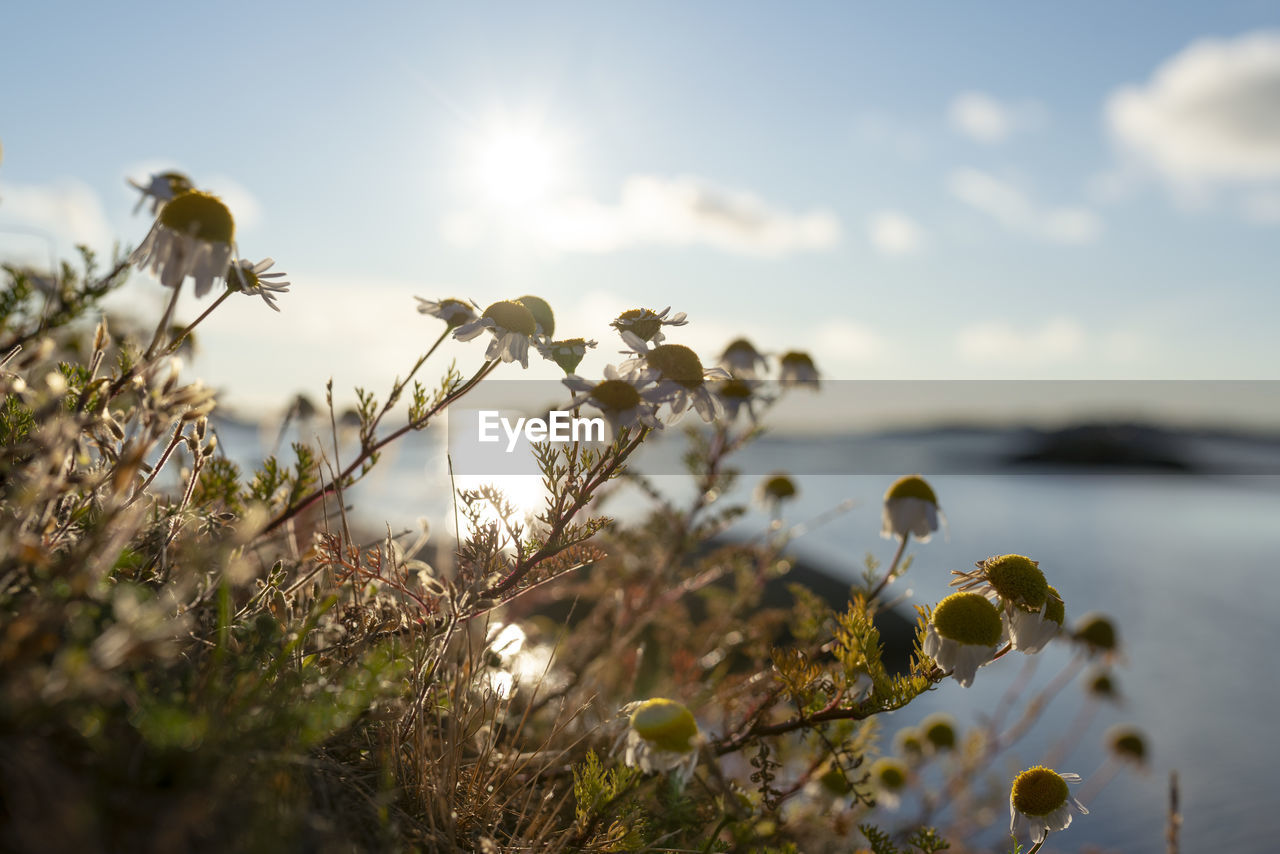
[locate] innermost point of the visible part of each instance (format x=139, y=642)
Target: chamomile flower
x=454, y=312
x=568, y=354
x=798, y=371
x=160, y=188
x=889, y=776
x=775, y=489
x=963, y=633
x=624, y=402
x=249, y=278
x=1098, y=635
x=736, y=396
x=511, y=324
x=742, y=359
x=645, y=325
x=1017, y=585
x=1041, y=802
x=910, y=743
x=1101, y=685
x=661, y=736
x=1031, y=631
x=910, y=508
x=542, y=315
x=1127, y=745
x=681, y=379
x=940, y=731
x=194, y=235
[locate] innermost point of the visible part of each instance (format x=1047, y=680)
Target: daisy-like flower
x=1098, y=635
x=512, y=326
x=454, y=312
x=963, y=633
x=1127, y=744
x=940, y=731
x=624, y=402
x=889, y=776
x=681, y=379
x=645, y=325
x=798, y=371
x=910, y=507
x=542, y=315
x=1101, y=685
x=737, y=395
x=1030, y=631
x=775, y=489
x=162, y=187
x=661, y=736
x=568, y=353
x=909, y=742
x=194, y=235
x=1041, y=802
x=742, y=359
x=249, y=278
x=1018, y=586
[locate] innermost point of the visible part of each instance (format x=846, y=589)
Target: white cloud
x=660, y=211
x=894, y=233
x=67, y=212
x=982, y=117
x=1015, y=210
x=1000, y=341
x=1210, y=113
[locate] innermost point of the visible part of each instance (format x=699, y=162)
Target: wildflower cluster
x=200, y=656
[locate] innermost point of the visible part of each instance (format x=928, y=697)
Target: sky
x=907, y=191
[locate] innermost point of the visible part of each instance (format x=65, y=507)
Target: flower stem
x=164, y=322
x=893, y=567
x=178, y=339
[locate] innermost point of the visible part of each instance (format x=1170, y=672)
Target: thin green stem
x=181, y=336
x=893, y=567
x=164, y=323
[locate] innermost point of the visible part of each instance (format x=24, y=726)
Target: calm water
x=1183, y=563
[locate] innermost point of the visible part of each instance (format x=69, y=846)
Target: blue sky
x=974, y=190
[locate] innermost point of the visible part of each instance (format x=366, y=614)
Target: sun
x=517, y=165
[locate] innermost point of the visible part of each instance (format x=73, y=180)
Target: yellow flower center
x=798, y=361
x=238, y=274
x=640, y=321
x=665, y=724
x=908, y=741
x=1039, y=791
x=199, y=215
x=615, y=395
x=940, y=732
x=1102, y=685
x=967, y=618
x=178, y=183
x=677, y=363
x=1097, y=631
x=541, y=313
x=1056, y=610
x=779, y=486
x=512, y=316
x=1129, y=744
x=911, y=486
x=734, y=389
x=889, y=773
x=1016, y=579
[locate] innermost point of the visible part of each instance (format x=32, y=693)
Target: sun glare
x=518, y=165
